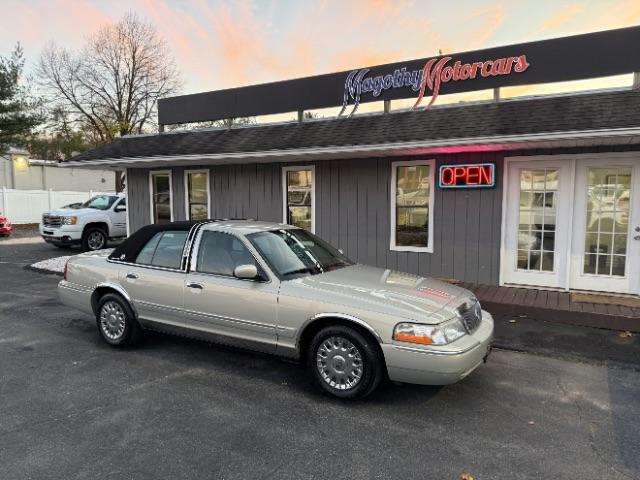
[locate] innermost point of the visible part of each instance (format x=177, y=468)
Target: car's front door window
x=220, y=253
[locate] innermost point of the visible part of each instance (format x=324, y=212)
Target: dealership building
x=532, y=191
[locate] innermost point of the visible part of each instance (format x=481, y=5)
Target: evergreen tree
x=17, y=110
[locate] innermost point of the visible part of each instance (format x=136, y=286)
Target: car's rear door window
x=163, y=250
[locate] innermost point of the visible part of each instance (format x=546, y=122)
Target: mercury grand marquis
x=280, y=289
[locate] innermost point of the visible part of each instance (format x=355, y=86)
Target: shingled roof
x=550, y=114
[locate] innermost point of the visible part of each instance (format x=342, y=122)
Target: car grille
x=471, y=315
x=51, y=221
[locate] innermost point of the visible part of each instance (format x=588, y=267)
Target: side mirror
x=120, y=208
x=245, y=271
x=340, y=250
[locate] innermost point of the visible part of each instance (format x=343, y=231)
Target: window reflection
x=537, y=224
x=299, y=188
x=412, y=205
x=607, y=223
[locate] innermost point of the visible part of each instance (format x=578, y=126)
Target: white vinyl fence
x=27, y=206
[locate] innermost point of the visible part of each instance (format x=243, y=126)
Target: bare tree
x=111, y=86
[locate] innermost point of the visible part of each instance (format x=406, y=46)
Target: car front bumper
x=439, y=366
x=66, y=235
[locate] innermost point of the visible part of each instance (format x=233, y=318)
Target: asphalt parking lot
x=72, y=407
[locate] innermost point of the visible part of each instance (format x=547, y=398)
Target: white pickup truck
x=92, y=224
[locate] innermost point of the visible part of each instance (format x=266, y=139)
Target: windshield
x=101, y=202
x=295, y=252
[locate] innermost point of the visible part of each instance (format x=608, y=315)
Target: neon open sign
x=477, y=175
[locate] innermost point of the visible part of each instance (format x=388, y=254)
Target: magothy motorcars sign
x=435, y=72
x=544, y=61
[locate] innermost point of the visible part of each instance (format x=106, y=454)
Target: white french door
x=573, y=222
x=537, y=212
x=605, y=252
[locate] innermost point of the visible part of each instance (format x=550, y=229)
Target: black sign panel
x=593, y=55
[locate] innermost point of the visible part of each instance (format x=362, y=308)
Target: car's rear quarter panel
x=84, y=274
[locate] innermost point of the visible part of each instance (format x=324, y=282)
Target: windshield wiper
x=302, y=270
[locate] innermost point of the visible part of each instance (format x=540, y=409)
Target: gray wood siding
x=353, y=212
x=139, y=201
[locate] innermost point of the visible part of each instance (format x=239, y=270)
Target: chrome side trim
x=159, y=306
x=120, y=290
x=429, y=351
x=74, y=287
x=224, y=318
x=343, y=316
x=239, y=321
x=140, y=265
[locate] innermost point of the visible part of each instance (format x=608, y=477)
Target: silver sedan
x=280, y=289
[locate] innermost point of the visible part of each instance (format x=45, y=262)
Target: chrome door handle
x=199, y=286
x=132, y=275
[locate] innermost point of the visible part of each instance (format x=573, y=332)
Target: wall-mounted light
x=20, y=164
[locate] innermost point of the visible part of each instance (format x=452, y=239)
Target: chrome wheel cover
x=112, y=320
x=339, y=363
x=96, y=240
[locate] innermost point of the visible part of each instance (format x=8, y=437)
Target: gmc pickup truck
x=92, y=225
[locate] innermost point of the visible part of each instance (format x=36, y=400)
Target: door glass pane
x=537, y=224
x=299, y=192
x=412, y=190
x=607, y=226
x=161, y=198
x=197, y=184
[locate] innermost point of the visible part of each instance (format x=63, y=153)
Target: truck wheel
x=344, y=362
x=116, y=322
x=94, y=238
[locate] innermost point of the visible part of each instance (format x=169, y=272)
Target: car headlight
x=69, y=220
x=441, y=334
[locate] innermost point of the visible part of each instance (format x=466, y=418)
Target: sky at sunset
x=226, y=44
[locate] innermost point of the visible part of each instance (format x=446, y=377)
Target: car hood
x=68, y=212
x=386, y=291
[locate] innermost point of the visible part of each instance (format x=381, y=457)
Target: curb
x=567, y=317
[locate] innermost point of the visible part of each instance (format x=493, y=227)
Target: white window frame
x=186, y=191
x=313, y=192
x=432, y=188
x=151, y=174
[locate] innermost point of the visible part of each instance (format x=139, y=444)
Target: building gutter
x=490, y=143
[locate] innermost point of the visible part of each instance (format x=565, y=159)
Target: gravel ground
x=52, y=265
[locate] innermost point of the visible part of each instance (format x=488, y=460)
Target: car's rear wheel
x=344, y=362
x=94, y=238
x=116, y=322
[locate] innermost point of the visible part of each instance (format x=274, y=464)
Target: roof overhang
x=567, y=139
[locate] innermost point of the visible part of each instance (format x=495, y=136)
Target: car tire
x=344, y=362
x=116, y=322
x=94, y=238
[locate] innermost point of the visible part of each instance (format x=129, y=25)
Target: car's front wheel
x=116, y=322
x=94, y=238
x=344, y=362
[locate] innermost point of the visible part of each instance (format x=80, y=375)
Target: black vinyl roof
x=550, y=114
x=129, y=249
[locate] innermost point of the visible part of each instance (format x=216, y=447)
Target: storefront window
x=298, y=199
x=161, y=197
x=412, y=197
x=607, y=226
x=537, y=226
x=197, y=193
